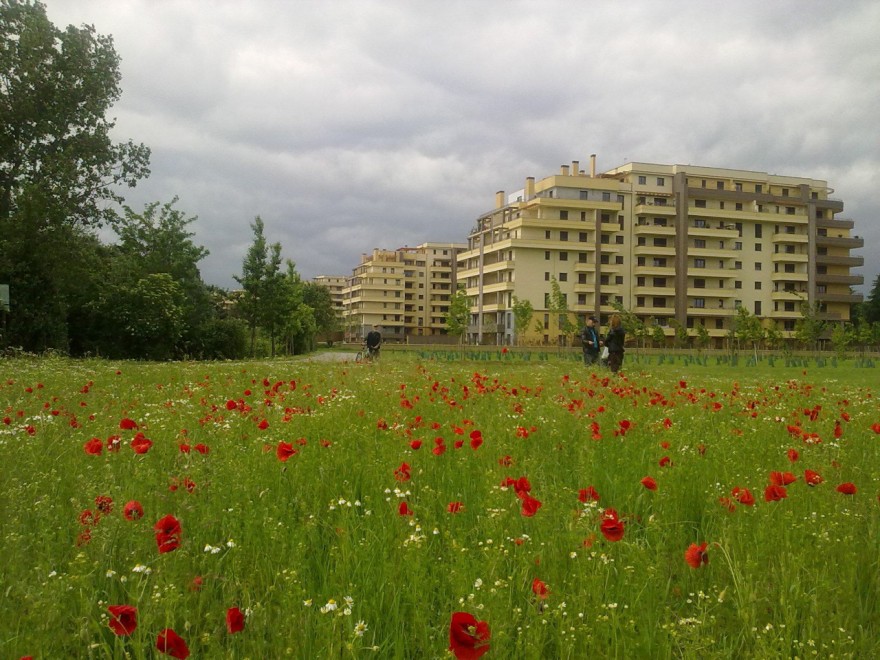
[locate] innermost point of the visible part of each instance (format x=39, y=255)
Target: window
x=547, y=234
x=661, y=181
x=659, y=262
x=604, y=279
x=546, y=276
x=699, y=263
x=582, y=278
x=640, y=301
x=658, y=302
x=700, y=203
x=757, y=265
x=582, y=299
x=788, y=306
x=583, y=194
x=700, y=303
x=563, y=236
x=606, y=239
x=582, y=236
x=643, y=180
x=699, y=223
x=640, y=261
x=757, y=286
x=618, y=279
x=699, y=283
x=582, y=257
x=789, y=210
x=739, y=206
x=547, y=255
x=659, y=281
x=563, y=277
x=720, y=185
x=618, y=259
x=619, y=239
x=605, y=259
x=757, y=247
x=640, y=281
x=641, y=240
x=563, y=215
x=738, y=245
x=738, y=187
x=699, y=242
x=606, y=196
x=759, y=188
x=789, y=268
x=563, y=256
x=659, y=242
x=785, y=192
x=738, y=265
x=821, y=288
x=737, y=284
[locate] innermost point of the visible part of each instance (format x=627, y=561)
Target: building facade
x=677, y=245
x=405, y=292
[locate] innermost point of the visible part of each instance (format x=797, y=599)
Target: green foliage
x=810, y=327
x=522, y=316
x=558, y=309
x=459, y=313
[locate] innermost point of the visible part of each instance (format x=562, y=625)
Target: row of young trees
x=60, y=177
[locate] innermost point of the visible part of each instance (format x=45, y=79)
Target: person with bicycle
x=372, y=343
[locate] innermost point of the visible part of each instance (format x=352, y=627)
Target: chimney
x=499, y=199
x=564, y=170
x=574, y=168
x=530, y=188
x=593, y=165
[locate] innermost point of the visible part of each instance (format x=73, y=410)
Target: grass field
x=315, y=509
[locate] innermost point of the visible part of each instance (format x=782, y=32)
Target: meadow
x=502, y=508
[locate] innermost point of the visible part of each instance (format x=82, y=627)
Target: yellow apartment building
x=674, y=244
x=405, y=292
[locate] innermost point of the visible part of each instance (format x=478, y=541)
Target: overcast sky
x=382, y=123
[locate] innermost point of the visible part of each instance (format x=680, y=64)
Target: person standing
x=614, y=341
x=590, y=341
x=373, y=342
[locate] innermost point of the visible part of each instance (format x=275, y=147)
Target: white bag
x=604, y=354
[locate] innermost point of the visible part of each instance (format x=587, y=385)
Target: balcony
x=714, y=232
x=835, y=224
x=785, y=237
x=846, y=242
x=711, y=253
x=829, y=260
x=662, y=271
x=653, y=230
x=693, y=292
x=651, y=291
x=790, y=257
x=851, y=280
x=710, y=311
x=649, y=208
x=840, y=297
x=789, y=277
x=789, y=296
x=653, y=251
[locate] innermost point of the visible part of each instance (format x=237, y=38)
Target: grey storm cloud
x=349, y=125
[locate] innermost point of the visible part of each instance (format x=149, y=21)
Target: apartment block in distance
x=674, y=244
x=335, y=284
x=405, y=292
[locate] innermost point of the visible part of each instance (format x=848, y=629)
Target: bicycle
x=367, y=354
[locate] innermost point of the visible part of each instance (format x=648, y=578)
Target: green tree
x=843, y=335
x=317, y=296
x=59, y=169
x=522, y=316
x=459, y=313
x=252, y=279
x=658, y=335
x=747, y=329
x=870, y=308
x=810, y=327
x=702, y=338
x=277, y=289
x=680, y=336
x=150, y=316
x=558, y=309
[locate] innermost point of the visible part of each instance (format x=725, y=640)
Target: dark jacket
x=589, y=334
x=614, y=340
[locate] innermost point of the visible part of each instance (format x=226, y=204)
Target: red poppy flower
x=133, y=510
x=403, y=472
x=231, y=404
x=782, y=478
x=196, y=584
x=202, y=449
x=875, y=427
x=838, y=430
x=127, y=424
x=168, y=533
x=793, y=455
x=170, y=643
x=649, y=483
x=454, y=507
x=184, y=448
x=404, y=510
x=665, y=461
x=263, y=425
x=588, y=494
x=847, y=488
x=505, y=461
x=104, y=504
x=285, y=450
x=774, y=493
x=696, y=555
x=113, y=443
x=612, y=527
x=234, y=620
x=438, y=450
x=476, y=439
x=140, y=444
x=415, y=444
x=521, y=486
x=123, y=619
x=94, y=447
x=530, y=505
x=743, y=496
x=812, y=478
x=540, y=589
x=468, y=638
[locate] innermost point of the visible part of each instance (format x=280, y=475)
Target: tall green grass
x=315, y=551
